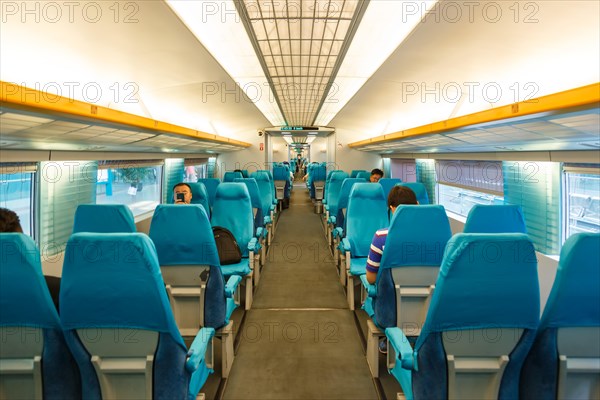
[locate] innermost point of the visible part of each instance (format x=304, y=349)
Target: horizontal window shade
x=593, y=169
x=482, y=176
x=194, y=161
x=63, y=186
x=404, y=169
x=535, y=186
x=17, y=168
x=121, y=164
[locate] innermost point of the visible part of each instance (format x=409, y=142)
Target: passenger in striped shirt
x=398, y=195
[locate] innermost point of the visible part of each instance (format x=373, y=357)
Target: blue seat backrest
x=211, y=188
x=487, y=282
x=388, y=183
x=113, y=280
x=282, y=173
x=233, y=210
x=103, y=218
x=255, y=199
x=343, y=198
x=25, y=304
x=231, y=175
x=245, y=173
x=271, y=181
x=495, y=219
x=419, y=190
x=355, y=172
x=264, y=187
x=182, y=235
x=364, y=175
x=332, y=192
x=574, y=302
x=417, y=237
x=200, y=196
x=366, y=213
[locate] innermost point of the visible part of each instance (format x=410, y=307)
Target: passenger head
x=401, y=195
x=376, y=175
x=9, y=221
x=182, y=189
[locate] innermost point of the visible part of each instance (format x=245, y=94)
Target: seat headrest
x=231, y=175
x=418, y=234
x=366, y=191
x=485, y=281
x=363, y=175
x=419, y=189
x=495, y=219
x=232, y=191
x=199, y=192
x=261, y=176
x=103, y=218
x=183, y=236
x=114, y=280
x=575, y=296
x=338, y=176
x=347, y=185
x=24, y=296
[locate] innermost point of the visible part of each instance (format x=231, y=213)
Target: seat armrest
x=331, y=220
x=195, y=355
x=338, y=232
x=346, y=244
x=260, y=232
x=232, y=284
x=402, y=347
x=371, y=289
x=253, y=245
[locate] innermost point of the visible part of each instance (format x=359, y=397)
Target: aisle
x=299, y=340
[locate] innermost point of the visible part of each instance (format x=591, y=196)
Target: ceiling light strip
x=359, y=12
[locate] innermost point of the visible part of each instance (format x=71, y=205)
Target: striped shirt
x=376, y=250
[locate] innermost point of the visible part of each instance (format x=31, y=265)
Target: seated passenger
x=376, y=175
x=398, y=195
x=9, y=222
x=182, y=193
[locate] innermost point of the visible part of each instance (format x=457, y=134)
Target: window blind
x=480, y=176
x=404, y=169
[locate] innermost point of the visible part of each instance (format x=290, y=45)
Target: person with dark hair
x=398, y=195
x=376, y=175
x=9, y=222
x=182, y=193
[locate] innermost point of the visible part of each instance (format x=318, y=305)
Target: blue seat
x=366, y=213
x=281, y=178
x=233, y=211
x=231, y=175
x=332, y=193
x=265, y=187
x=327, y=180
x=211, y=188
x=199, y=196
x=260, y=222
x=388, y=183
x=479, y=326
x=564, y=362
x=317, y=179
x=189, y=263
x=35, y=359
x=342, y=205
x=119, y=325
x=364, y=175
x=245, y=173
x=103, y=218
x=419, y=190
x=355, y=172
x=495, y=219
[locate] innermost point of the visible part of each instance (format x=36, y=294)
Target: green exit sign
x=299, y=128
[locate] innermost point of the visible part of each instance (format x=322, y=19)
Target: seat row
x=180, y=255
x=461, y=313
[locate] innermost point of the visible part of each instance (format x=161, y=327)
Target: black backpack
x=227, y=247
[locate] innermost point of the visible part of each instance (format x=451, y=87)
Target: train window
x=16, y=188
x=462, y=184
x=582, y=203
x=195, y=169
x=460, y=200
x=138, y=185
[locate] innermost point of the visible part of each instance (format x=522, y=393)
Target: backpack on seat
x=227, y=247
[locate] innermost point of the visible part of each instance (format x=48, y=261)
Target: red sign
x=261, y=146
